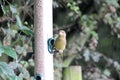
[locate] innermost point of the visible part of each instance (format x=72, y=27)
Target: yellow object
x=60, y=43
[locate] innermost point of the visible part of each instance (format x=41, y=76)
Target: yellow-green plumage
x=60, y=42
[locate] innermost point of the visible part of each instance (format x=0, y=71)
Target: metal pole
x=43, y=31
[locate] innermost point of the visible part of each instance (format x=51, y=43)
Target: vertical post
x=43, y=31
x=72, y=73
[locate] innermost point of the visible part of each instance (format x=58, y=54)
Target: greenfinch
x=60, y=42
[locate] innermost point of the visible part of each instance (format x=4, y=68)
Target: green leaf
x=0, y=43
x=10, y=32
x=13, y=9
x=26, y=30
x=15, y=78
x=5, y=70
x=68, y=4
x=94, y=34
x=25, y=74
x=107, y=72
x=1, y=50
x=31, y=62
x=10, y=52
x=112, y=2
x=19, y=23
x=3, y=9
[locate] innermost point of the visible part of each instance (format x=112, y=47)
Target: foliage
x=92, y=28
x=93, y=33
x=16, y=24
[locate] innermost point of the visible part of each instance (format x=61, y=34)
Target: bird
x=60, y=42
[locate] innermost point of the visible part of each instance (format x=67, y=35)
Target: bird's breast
x=60, y=44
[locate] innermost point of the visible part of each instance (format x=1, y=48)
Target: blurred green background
x=93, y=38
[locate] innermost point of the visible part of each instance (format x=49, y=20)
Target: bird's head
x=62, y=33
